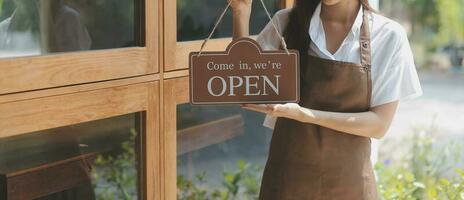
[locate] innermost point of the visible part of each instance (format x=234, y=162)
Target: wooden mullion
x=63, y=110
x=62, y=69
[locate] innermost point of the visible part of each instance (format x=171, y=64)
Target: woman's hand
x=241, y=11
x=288, y=110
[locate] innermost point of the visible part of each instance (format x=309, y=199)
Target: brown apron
x=307, y=161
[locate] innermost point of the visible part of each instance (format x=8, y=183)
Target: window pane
x=93, y=160
x=37, y=27
x=220, y=149
x=195, y=19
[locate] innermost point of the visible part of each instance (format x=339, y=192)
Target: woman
x=356, y=65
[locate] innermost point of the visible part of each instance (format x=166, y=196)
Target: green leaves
x=1, y=6
x=116, y=173
x=423, y=170
x=451, y=28
x=240, y=184
x=433, y=23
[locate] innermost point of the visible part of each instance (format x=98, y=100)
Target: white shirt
x=394, y=75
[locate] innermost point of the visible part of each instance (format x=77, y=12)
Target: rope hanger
x=282, y=40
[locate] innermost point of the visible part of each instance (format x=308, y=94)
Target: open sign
x=244, y=73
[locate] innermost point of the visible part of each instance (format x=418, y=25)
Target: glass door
x=209, y=151
x=55, y=43
x=101, y=159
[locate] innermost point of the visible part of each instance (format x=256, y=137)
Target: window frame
x=62, y=89
x=176, y=89
x=63, y=69
x=94, y=103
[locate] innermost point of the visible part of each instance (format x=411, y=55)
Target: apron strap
x=365, y=41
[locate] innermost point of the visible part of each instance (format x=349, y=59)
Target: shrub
x=416, y=167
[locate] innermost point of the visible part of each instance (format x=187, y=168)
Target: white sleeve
x=399, y=81
x=269, y=121
x=269, y=39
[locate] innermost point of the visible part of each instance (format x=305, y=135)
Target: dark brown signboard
x=244, y=73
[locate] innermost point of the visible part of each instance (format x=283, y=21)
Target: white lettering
x=275, y=88
x=253, y=85
x=215, y=66
x=248, y=84
x=232, y=85
x=224, y=84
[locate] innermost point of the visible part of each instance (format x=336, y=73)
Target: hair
x=296, y=33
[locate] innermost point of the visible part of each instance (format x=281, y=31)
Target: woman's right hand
x=241, y=10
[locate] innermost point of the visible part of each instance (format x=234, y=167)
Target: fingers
x=271, y=106
x=257, y=107
x=276, y=110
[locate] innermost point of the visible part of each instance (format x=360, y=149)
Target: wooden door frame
x=176, y=92
x=63, y=89
x=175, y=87
x=62, y=69
x=91, y=104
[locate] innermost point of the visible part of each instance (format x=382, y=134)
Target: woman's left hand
x=288, y=110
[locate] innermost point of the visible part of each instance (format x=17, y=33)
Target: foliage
x=1, y=5
x=424, y=169
x=428, y=171
x=436, y=23
x=401, y=183
x=115, y=172
x=242, y=184
x=451, y=25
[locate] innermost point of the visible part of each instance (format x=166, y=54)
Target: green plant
x=451, y=28
x=434, y=22
x=190, y=190
x=115, y=175
x=424, y=171
x=396, y=183
x=240, y=184
x=414, y=168
x=1, y=5
x=245, y=177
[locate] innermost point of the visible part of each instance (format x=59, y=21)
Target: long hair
x=296, y=33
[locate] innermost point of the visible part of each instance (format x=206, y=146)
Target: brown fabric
x=307, y=161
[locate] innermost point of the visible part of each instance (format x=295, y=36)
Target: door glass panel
x=92, y=160
x=221, y=150
x=37, y=27
x=195, y=19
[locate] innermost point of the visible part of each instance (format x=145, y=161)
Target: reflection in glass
x=92, y=160
x=36, y=27
x=195, y=19
x=221, y=151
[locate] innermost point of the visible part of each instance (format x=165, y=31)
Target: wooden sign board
x=244, y=73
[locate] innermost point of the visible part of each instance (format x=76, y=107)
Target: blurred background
x=421, y=156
